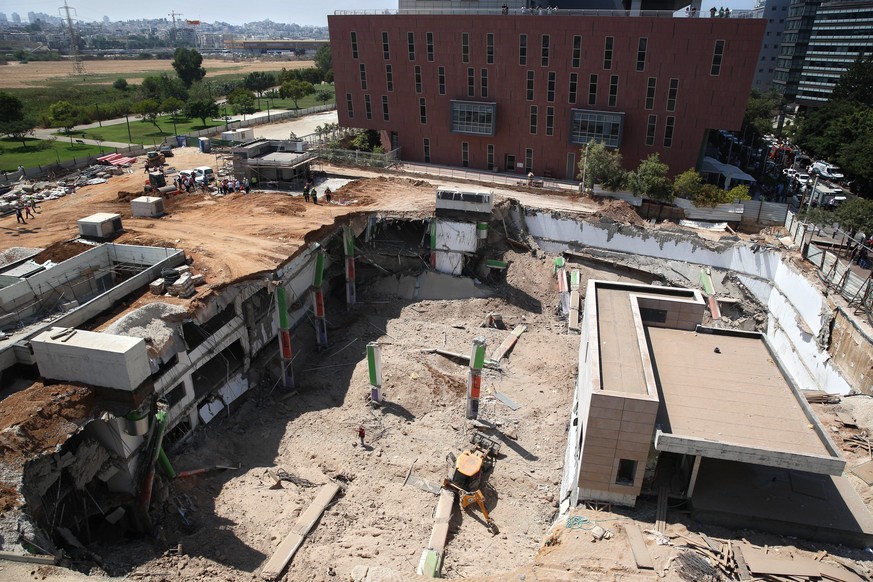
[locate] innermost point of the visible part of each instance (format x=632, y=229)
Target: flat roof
x=621, y=362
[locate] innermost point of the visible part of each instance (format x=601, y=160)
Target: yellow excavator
x=470, y=470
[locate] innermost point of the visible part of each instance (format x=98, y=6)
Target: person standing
x=314, y=194
x=361, y=434
x=18, y=216
x=27, y=212
x=327, y=194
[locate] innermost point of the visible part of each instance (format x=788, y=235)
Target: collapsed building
x=162, y=366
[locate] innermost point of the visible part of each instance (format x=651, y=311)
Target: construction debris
x=638, y=547
x=820, y=397
x=508, y=343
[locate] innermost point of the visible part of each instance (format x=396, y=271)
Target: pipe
x=145, y=495
x=166, y=466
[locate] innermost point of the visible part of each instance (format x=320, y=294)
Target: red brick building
x=526, y=92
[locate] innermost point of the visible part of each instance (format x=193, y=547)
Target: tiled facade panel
x=677, y=48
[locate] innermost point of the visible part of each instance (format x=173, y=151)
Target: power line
x=77, y=58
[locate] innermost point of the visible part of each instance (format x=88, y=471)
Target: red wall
x=677, y=48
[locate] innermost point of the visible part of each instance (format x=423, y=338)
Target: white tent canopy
x=730, y=173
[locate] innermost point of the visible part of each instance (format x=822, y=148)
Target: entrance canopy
x=731, y=173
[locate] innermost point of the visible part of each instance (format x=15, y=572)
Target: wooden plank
x=742, y=567
x=506, y=400
x=441, y=518
x=761, y=563
x=638, y=547
x=845, y=418
x=29, y=558
x=715, y=547
x=661, y=512
x=292, y=542
x=837, y=573
x=507, y=344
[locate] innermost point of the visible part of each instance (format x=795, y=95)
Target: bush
x=120, y=84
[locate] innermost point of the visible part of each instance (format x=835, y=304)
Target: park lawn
x=144, y=132
x=308, y=101
x=12, y=153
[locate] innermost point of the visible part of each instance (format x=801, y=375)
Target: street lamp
x=129, y=138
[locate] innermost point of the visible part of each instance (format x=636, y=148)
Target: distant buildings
x=776, y=13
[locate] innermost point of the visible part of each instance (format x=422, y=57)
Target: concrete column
x=318, y=301
x=349, y=246
x=284, y=337
x=374, y=365
x=693, y=480
x=433, y=243
x=474, y=377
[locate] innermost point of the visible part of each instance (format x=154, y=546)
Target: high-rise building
x=31, y=17
x=776, y=14
x=513, y=91
x=3, y=17
x=792, y=52
x=16, y=19
x=105, y=20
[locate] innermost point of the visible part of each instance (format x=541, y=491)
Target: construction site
x=423, y=379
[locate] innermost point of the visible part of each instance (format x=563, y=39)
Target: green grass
x=12, y=153
x=308, y=101
x=144, y=132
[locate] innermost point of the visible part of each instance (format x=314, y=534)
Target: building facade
x=519, y=92
x=792, y=52
x=776, y=14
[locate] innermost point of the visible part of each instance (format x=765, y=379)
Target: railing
x=537, y=12
x=357, y=158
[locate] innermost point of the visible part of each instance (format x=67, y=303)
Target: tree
x=11, y=108
x=323, y=95
x=259, y=81
x=64, y=114
x=760, y=110
x=710, y=195
x=19, y=129
x=295, y=90
x=854, y=85
x=323, y=60
x=855, y=215
x=201, y=109
x=187, y=63
x=120, y=84
x=172, y=106
x=148, y=110
x=650, y=180
x=242, y=100
x=688, y=184
x=603, y=166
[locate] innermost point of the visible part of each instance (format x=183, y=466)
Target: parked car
x=789, y=172
x=827, y=171
x=204, y=173
x=802, y=179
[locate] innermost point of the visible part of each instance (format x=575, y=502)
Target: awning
x=732, y=173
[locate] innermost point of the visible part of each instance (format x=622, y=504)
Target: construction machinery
x=469, y=472
x=154, y=159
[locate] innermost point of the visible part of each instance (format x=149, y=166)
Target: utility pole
x=77, y=58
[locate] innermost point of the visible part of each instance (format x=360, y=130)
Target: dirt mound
x=619, y=211
x=61, y=251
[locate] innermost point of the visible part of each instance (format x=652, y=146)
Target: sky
x=304, y=12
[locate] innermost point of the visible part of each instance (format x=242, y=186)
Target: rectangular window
x=627, y=471
x=650, y=93
x=599, y=126
x=641, y=53
x=410, y=45
x=422, y=110
x=490, y=161
x=368, y=108
x=389, y=77
x=489, y=48
x=550, y=121
x=386, y=50
x=717, y=56
x=426, y=150
x=577, y=51
x=550, y=95
x=471, y=82
x=484, y=88
x=522, y=49
x=429, y=39
x=545, y=51
x=592, y=90
x=350, y=108
x=354, y=36
x=672, y=94
x=441, y=76
x=418, y=78
x=473, y=118
x=607, y=53
x=613, y=90
x=650, y=129
x=668, y=132
x=363, y=77
x=530, y=85
x=533, y=119
x=465, y=154
x=465, y=47
x=574, y=85
x=528, y=160
x=385, y=115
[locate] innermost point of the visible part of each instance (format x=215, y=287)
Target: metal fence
x=356, y=158
x=535, y=12
x=834, y=252
x=51, y=171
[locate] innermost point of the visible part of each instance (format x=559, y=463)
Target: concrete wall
x=851, y=353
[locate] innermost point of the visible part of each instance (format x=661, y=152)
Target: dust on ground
x=43, y=73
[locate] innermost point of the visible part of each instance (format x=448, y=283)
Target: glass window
x=385, y=115
x=422, y=110
x=668, y=132
x=574, y=85
x=363, y=77
x=489, y=48
x=441, y=75
x=465, y=47
x=490, y=162
x=550, y=95
x=410, y=45
x=530, y=85
x=473, y=118
x=354, y=36
x=426, y=150
x=522, y=49
x=672, y=94
x=386, y=50
x=717, y=57
x=350, y=108
x=389, y=77
x=471, y=82
x=577, y=51
x=533, y=119
x=429, y=39
x=613, y=90
x=550, y=121
x=607, y=53
x=641, y=53
x=368, y=108
x=627, y=471
x=545, y=51
x=600, y=126
x=484, y=89
x=418, y=78
x=528, y=160
x=592, y=90
x=465, y=154
x=650, y=93
x=650, y=129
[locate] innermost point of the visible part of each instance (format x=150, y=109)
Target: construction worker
x=361, y=434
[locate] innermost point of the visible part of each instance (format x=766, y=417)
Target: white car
x=802, y=179
x=790, y=172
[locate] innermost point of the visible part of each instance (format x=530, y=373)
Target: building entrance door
x=510, y=163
